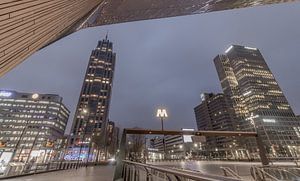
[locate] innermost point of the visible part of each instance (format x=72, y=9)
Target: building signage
x=5, y=94
x=202, y=97
x=35, y=96
x=187, y=138
x=269, y=120
x=162, y=113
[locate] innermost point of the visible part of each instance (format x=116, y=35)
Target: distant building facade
x=174, y=146
x=30, y=125
x=215, y=113
x=177, y=146
x=91, y=116
x=258, y=101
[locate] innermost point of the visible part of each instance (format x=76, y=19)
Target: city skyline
x=164, y=83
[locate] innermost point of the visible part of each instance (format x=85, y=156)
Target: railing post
x=148, y=175
x=134, y=173
x=177, y=178
x=120, y=157
x=124, y=172
x=128, y=175
x=168, y=177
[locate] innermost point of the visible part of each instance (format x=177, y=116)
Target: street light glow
x=84, y=111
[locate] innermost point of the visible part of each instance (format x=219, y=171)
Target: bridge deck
x=97, y=173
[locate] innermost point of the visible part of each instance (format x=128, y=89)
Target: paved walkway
x=97, y=173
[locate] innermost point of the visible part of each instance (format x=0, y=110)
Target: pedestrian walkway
x=96, y=173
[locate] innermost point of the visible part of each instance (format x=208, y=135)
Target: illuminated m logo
x=161, y=113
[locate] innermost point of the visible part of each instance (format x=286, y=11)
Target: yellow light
x=35, y=96
x=84, y=111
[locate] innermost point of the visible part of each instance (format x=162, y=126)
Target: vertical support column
x=121, y=157
x=262, y=151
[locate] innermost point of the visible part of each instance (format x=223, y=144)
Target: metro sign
x=161, y=113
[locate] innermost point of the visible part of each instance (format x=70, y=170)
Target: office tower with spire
x=91, y=116
x=257, y=99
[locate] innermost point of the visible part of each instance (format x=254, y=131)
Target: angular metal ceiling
x=28, y=25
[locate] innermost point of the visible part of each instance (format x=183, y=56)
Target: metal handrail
x=297, y=169
x=186, y=174
x=266, y=173
x=288, y=172
x=41, y=168
x=231, y=172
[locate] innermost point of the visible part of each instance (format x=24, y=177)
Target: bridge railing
x=133, y=171
x=266, y=173
x=21, y=169
x=228, y=172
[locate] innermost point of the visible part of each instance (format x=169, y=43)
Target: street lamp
x=162, y=113
x=83, y=112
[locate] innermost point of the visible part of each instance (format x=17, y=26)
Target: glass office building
x=32, y=126
x=258, y=101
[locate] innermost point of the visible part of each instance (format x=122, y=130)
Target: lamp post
x=162, y=113
x=84, y=112
x=196, y=150
x=145, y=151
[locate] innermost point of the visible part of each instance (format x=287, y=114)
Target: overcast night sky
x=166, y=62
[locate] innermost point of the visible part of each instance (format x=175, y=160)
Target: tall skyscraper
x=27, y=26
x=215, y=113
x=257, y=99
x=92, y=111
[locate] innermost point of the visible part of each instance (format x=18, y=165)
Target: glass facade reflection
x=257, y=99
